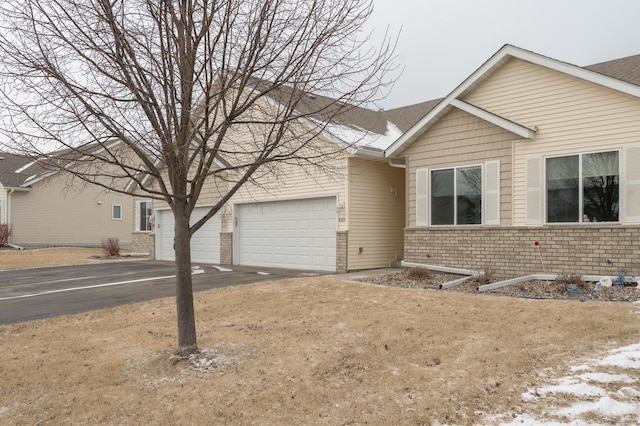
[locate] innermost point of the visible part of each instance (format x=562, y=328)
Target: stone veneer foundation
x=143, y=242
x=511, y=252
x=342, y=240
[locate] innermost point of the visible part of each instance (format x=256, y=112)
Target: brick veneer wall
x=342, y=239
x=226, y=248
x=143, y=242
x=510, y=252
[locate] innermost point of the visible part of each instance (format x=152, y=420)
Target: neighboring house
x=528, y=149
x=348, y=215
x=49, y=208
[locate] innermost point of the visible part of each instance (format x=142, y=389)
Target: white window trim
x=621, y=185
x=113, y=206
x=137, y=216
x=630, y=159
x=482, y=195
x=422, y=200
x=488, y=193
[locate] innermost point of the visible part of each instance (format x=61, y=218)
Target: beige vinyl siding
x=55, y=213
x=460, y=139
x=572, y=116
x=376, y=214
x=291, y=182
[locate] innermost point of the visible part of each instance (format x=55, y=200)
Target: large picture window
x=456, y=196
x=583, y=188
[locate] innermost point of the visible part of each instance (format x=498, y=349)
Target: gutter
x=397, y=165
x=371, y=153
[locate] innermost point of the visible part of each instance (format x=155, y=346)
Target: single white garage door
x=205, y=243
x=298, y=234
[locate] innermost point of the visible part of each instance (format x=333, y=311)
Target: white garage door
x=205, y=243
x=299, y=234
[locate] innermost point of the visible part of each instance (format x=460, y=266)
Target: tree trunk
x=187, y=342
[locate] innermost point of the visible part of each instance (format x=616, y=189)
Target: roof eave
x=486, y=70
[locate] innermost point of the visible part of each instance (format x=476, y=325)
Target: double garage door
x=205, y=243
x=298, y=234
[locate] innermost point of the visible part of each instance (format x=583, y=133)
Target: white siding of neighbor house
x=3, y=205
x=376, y=214
x=460, y=139
x=572, y=116
x=57, y=213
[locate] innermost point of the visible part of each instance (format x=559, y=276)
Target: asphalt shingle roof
x=9, y=166
x=625, y=69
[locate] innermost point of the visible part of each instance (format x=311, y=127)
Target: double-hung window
x=144, y=216
x=456, y=196
x=583, y=188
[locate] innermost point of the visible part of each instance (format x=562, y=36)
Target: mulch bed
x=535, y=289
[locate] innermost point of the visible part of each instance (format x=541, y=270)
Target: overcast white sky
x=443, y=41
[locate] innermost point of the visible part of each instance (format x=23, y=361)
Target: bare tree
x=176, y=83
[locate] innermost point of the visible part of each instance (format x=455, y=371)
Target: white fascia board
x=485, y=115
x=370, y=153
x=492, y=65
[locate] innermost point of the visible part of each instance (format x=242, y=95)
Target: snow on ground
x=600, y=391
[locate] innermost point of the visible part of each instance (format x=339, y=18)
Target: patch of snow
x=530, y=395
x=525, y=420
x=578, y=389
x=605, y=406
x=605, y=378
x=626, y=392
x=25, y=167
x=617, y=404
x=361, y=137
x=263, y=273
x=222, y=269
x=625, y=357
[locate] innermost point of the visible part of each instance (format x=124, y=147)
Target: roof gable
x=12, y=169
x=486, y=70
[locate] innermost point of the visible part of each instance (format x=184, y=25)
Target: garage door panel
x=295, y=234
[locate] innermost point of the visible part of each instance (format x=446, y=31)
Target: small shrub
x=5, y=235
x=419, y=274
x=111, y=247
x=485, y=277
x=573, y=279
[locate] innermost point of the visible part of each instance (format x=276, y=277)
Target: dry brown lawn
x=14, y=259
x=316, y=350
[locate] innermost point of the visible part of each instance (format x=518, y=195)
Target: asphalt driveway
x=30, y=294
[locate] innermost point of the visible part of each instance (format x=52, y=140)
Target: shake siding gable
x=572, y=116
x=460, y=139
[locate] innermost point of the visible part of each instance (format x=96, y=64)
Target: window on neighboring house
x=456, y=196
x=144, y=216
x=583, y=188
x=116, y=212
